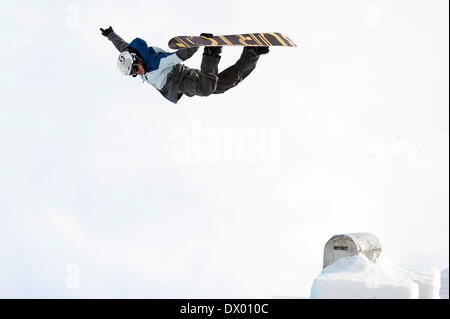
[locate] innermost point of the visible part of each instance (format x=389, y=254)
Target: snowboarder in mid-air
x=166, y=72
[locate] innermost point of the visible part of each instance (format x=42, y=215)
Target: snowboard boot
x=210, y=63
x=262, y=50
x=212, y=50
x=255, y=51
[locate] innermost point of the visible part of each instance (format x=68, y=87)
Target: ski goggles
x=134, y=68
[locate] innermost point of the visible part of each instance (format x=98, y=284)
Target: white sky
x=348, y=133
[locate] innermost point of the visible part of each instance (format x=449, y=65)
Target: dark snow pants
x=208, y=81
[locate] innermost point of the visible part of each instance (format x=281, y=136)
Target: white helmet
x=125, y=62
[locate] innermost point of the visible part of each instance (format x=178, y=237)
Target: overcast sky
x=108, y=190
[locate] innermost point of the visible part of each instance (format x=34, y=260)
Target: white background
x=93, y=202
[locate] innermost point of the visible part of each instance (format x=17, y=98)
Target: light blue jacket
x=157, y=62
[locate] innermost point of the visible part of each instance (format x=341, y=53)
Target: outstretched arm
x=118, y=42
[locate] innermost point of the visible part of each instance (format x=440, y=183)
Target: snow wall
x=358, y=277
x=353, y=268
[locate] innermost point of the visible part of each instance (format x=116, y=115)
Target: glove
x=207, y=35
x=186, y=53
x=107, y=31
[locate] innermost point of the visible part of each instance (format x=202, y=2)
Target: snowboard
x=248, y=39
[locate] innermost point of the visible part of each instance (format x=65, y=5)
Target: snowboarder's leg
x=203, y=82
x=208, y=74
x=211, y=59
x=241, y=69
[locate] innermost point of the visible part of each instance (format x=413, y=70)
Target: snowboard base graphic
x=248, y=39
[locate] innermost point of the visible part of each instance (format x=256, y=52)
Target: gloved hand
x=107, y=31
x=186, y=53
x=207, y=35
